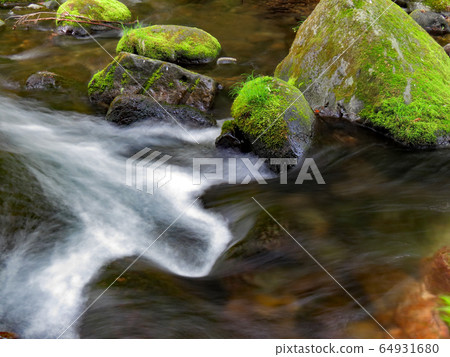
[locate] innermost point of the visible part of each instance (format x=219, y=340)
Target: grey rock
x=432, y=22
x=447, y=49
x=226, y=60
x=415, y=5
x=166, y=82
x=129, y=109
x=44, y=81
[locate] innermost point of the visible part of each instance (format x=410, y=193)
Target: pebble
x=226, y=60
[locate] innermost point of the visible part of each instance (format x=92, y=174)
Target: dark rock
x=432, y=22
x=128, y=109
x=44, y=81
x=447, y=48
x=232, y=138
x=166, y=82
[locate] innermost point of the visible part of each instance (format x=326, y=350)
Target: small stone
x=226, y=60
x=35, y=7
x=44, y=81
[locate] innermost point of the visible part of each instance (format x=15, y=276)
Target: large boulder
x=432, y=22
x=95, y=10
x=166, y=82
x=272, y=118
x=129, y=109
x=372, y=63
x=177, y=44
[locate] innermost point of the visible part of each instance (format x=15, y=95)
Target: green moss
x=395, y=70
x=155, y=76
x=228, y=126
x=170, y=43
x=438, y=5
x=104, y=10
x=445, y=309
x=258, y=109
x=100, y=81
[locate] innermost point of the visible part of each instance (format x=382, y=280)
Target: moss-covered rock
x=166, y=82
x=177, y=44
x=391, y=76
x=129, y=109
x=101, y=10
x=272, y=117
x=438, y=5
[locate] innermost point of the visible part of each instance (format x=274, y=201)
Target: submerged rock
x=128, y=109
x=431, y=22
x=45, y=81
x=101, y=10
x=393, y=77
x=8, y=335
x=272, y=117
x=166, y=82
x=177, y=44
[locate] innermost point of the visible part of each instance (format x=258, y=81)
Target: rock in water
x=391, y=76
x=447, y=49
x=102, y=10
x=129, y=109
x=432, y=22
x=44, y=81
x=2, y=24
x=272, y=118
x=166, y=82
x=177, y=44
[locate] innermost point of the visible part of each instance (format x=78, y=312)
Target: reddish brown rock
x=8, y=335
x=436, y=272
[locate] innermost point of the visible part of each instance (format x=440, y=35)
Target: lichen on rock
x=100, y=10
x=387, y=74
x=177, y=44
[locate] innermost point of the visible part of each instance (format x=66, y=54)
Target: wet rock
x=35, y=7
x=415, y=5
x=226, y=60
x=8, y=335
x=100, y=10
x=12, y=3
x=166, y=82
x=437, y=272
x=231, y=137
x=272, y=118
x=128, y=109
x=386, y=89
x=171, y=43
x=52, y=4
x=417, y=315
x=447, y=48
x=45, y=81
x=431, y=22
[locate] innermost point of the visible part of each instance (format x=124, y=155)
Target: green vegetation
x=260, y=106
x=155, y=76
x=100, y=82
x=438, y=5
x=171, y=43
x=103, y=10
x=398, y=76
x=445, y=309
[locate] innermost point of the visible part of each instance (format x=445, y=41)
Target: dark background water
x=69, y=227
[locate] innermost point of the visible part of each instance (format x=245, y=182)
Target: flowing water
x=69, y=225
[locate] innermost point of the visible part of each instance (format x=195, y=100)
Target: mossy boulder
x=166, y=82
x=177, y=44
x=391, y=76
x=129, y=109
x=438, y=5
x=272, y=118
x=100, y=10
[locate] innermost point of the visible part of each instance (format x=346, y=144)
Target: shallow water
x=69, y=225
